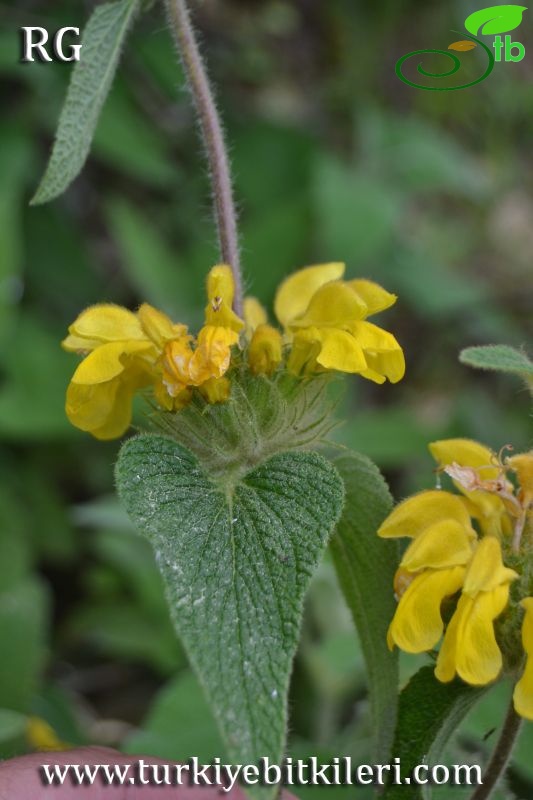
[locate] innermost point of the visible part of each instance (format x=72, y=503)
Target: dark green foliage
x=428, y=715
x=366, y=565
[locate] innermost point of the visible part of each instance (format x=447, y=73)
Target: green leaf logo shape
x=496, y=19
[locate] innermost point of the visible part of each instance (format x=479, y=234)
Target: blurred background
x=430, y=193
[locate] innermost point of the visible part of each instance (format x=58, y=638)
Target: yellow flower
x=254, y=316
x=417, y=624
x=432, y=567
x=119, y=362
x=474, y=470
x=523, y=692
x=325, y=318
x=470, y=648
x=446, y=556
x=265, y=350
x=125, y=352
x=41, y=736
x=522, y=464
x=216, y=390
x=158, y=327
x=220, y=294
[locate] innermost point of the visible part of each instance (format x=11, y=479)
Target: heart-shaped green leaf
x=236, y=559
x=495, y=19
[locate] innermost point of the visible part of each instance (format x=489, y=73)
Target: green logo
x=491, y=21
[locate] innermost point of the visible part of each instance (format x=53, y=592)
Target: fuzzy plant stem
x=213, y=136
x=501, y=755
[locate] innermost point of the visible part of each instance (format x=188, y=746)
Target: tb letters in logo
x=491, y=21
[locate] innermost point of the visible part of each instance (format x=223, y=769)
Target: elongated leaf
x=429, y=713
x=90, y=83
x=495, y=19
x=236, y=561
x=365, y=565
x=498, y=357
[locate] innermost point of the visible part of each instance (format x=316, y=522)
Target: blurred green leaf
x=14, y=161
x=281, y=174
x=60, y=709
x=92, y=76
x=179, y=725
x=147, y=259
x=356, y=213
x=102, y=512
x=12, y=731
x=274, y=244
x=418, y=156
x=133, y=558
x=357, y=552
x=55, y=242
x=146, y=157
x=336, y=662
x=126, y=632
x=15, y=551
x=389, y=436
x=32, y=398
x=23, y=626
x=434, y=288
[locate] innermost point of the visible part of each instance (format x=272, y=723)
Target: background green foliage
x=430, y=193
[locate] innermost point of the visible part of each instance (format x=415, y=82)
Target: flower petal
x=468, y=453
x=103, y=409
x=216, y=390
x=414, y=515
x=221, y=284
x=305, y=348
x=522, y=464
x=335, y=305
x=340, y=351
x=486, y=570
x=212, y=356
x=444, y=544
x=220, y=292
x=158, y=327
x=254, y=315
x=107, y=323
x=389, y=365
x=108, y=361
x=523, y=692
x=417, y=624
x=265, y=350
x=478, y=658
x=374, y=296
x=296, y=291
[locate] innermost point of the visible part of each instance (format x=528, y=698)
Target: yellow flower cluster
x=458, y=545
x=325, y=328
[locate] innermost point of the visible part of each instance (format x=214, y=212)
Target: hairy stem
x=500, y=757
x=213, y=135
